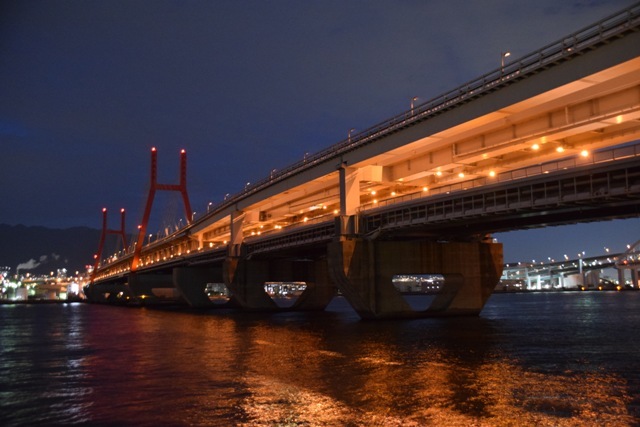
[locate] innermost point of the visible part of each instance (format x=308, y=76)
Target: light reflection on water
x=543, y=359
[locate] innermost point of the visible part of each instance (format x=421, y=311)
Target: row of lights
x=304, y=219
x=560, y=149
x=492, y=173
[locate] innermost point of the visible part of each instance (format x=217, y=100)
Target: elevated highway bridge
x=546, y=139
x=582, y=273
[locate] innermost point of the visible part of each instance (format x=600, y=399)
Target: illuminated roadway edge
x=572, y=98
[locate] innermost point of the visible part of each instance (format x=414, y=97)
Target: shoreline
x=536, y=291
x=41, y=301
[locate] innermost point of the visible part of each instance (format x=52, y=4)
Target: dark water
x=552, y=359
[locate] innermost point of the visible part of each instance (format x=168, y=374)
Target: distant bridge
x=583, y=273
x=546, y=139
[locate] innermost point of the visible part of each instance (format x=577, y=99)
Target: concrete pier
x=191, y=282
x=245, y=279
x=320, y=288
x=363, y=269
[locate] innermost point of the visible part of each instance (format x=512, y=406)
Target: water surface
x=548, y=359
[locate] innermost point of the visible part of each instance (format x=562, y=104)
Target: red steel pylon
x=181, y=187
x=105, y=231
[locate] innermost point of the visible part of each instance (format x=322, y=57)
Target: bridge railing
x=562, y=50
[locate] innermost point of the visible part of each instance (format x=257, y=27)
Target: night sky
x=88, y=87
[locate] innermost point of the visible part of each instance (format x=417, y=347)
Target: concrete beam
x=237, y=220
x=349, y=190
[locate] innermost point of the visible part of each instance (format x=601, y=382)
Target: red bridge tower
x=181, y=187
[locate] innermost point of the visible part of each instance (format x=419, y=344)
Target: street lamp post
x=349, y=135
x=414, y=99
x=503, y=55
x=580, y=268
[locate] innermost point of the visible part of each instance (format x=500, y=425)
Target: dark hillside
x=39, y=250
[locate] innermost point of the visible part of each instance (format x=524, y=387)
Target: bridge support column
x=191, y=282
x=621, y=278
x=92, y=293
x=349, y=189
x=245, y=279
x=364, y=269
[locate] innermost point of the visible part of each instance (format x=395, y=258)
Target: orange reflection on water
x=292, y=380
x=257, y=371
x=508, y=397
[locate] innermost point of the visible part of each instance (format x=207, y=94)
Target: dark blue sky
x=88, y=87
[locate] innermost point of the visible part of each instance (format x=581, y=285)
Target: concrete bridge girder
x=508, y=140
